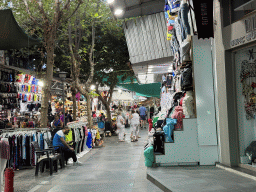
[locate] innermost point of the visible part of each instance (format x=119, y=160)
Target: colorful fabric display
x=29, y=97
x=178, y=114
x=19, y=78
x=34, y=81
x=168, y=129
x=33, y=88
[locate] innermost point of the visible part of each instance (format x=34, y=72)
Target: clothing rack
x=24, y=129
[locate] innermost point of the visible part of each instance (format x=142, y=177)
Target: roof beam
x=144, y=4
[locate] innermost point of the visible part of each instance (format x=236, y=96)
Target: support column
x=227, y=130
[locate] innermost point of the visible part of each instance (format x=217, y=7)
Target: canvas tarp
x=147, y=90
x=11, y=35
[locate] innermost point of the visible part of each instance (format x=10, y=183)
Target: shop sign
x=204, y=18
x=250, y=29
x=240, y=32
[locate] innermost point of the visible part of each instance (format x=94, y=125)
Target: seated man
x=59, y=140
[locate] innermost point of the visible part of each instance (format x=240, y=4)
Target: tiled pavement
x=119, y=166
x=200, y=179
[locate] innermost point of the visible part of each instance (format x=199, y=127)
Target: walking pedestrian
x=135, y=121
x=120, y=126
x=143, y=112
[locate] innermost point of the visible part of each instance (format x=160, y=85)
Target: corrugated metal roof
x=135, y=8
x=146, y=38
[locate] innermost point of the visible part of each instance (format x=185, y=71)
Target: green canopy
x=11, y=35
x=127, y=80
x=146, y=90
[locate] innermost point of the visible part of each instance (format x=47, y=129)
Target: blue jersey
x=143, y=110
x=56, y=139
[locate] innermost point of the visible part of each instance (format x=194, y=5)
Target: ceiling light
x=119, y=90
x=110, y=1
x=118, y=12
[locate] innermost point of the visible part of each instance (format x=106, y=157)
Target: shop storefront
x=239, y=77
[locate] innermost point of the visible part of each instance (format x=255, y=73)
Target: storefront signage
x=240, y=32
x=204, y=18
x=250, y=29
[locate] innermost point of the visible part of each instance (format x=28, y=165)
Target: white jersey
x=135, y=118
x=119, y=118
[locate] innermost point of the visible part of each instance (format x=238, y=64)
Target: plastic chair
x=49, y=143
x=45, y=156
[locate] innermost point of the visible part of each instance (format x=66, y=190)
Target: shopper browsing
x=143, y=112
x=59, y=142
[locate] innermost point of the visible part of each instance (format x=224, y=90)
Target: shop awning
x=11, y=35
x=147, y=90
x=125, y=81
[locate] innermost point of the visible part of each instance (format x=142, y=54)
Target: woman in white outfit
x=135, y=121
x=120, y=126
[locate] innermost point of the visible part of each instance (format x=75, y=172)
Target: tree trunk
x=89, y=110
x=48, y=82
x=106, y=104
x=108, y=114
x=73, y=90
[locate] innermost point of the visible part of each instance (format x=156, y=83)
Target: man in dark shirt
x=151, y=110
x=69, y=117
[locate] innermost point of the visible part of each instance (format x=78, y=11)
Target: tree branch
x=29, y=12
x=41, y=8
x=66, y=6
x=91, y=56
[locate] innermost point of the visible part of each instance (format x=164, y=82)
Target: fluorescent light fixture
x=92, y=87
x=110, y=1
x=118, y=12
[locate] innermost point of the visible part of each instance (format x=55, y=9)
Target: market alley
x=119, y=166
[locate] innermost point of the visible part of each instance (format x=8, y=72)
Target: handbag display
x=187, y=80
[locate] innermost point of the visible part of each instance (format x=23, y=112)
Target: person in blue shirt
x=59, y=141
x=143, y=114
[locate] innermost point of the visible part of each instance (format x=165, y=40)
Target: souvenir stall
x=22, y=153
x=57, y=103
x=21, y=93
x=78, y=135
x=185, y=127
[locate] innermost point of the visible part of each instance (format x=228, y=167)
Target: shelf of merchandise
x=185, y=149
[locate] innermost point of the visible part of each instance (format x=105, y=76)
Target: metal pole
x=63, y=92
